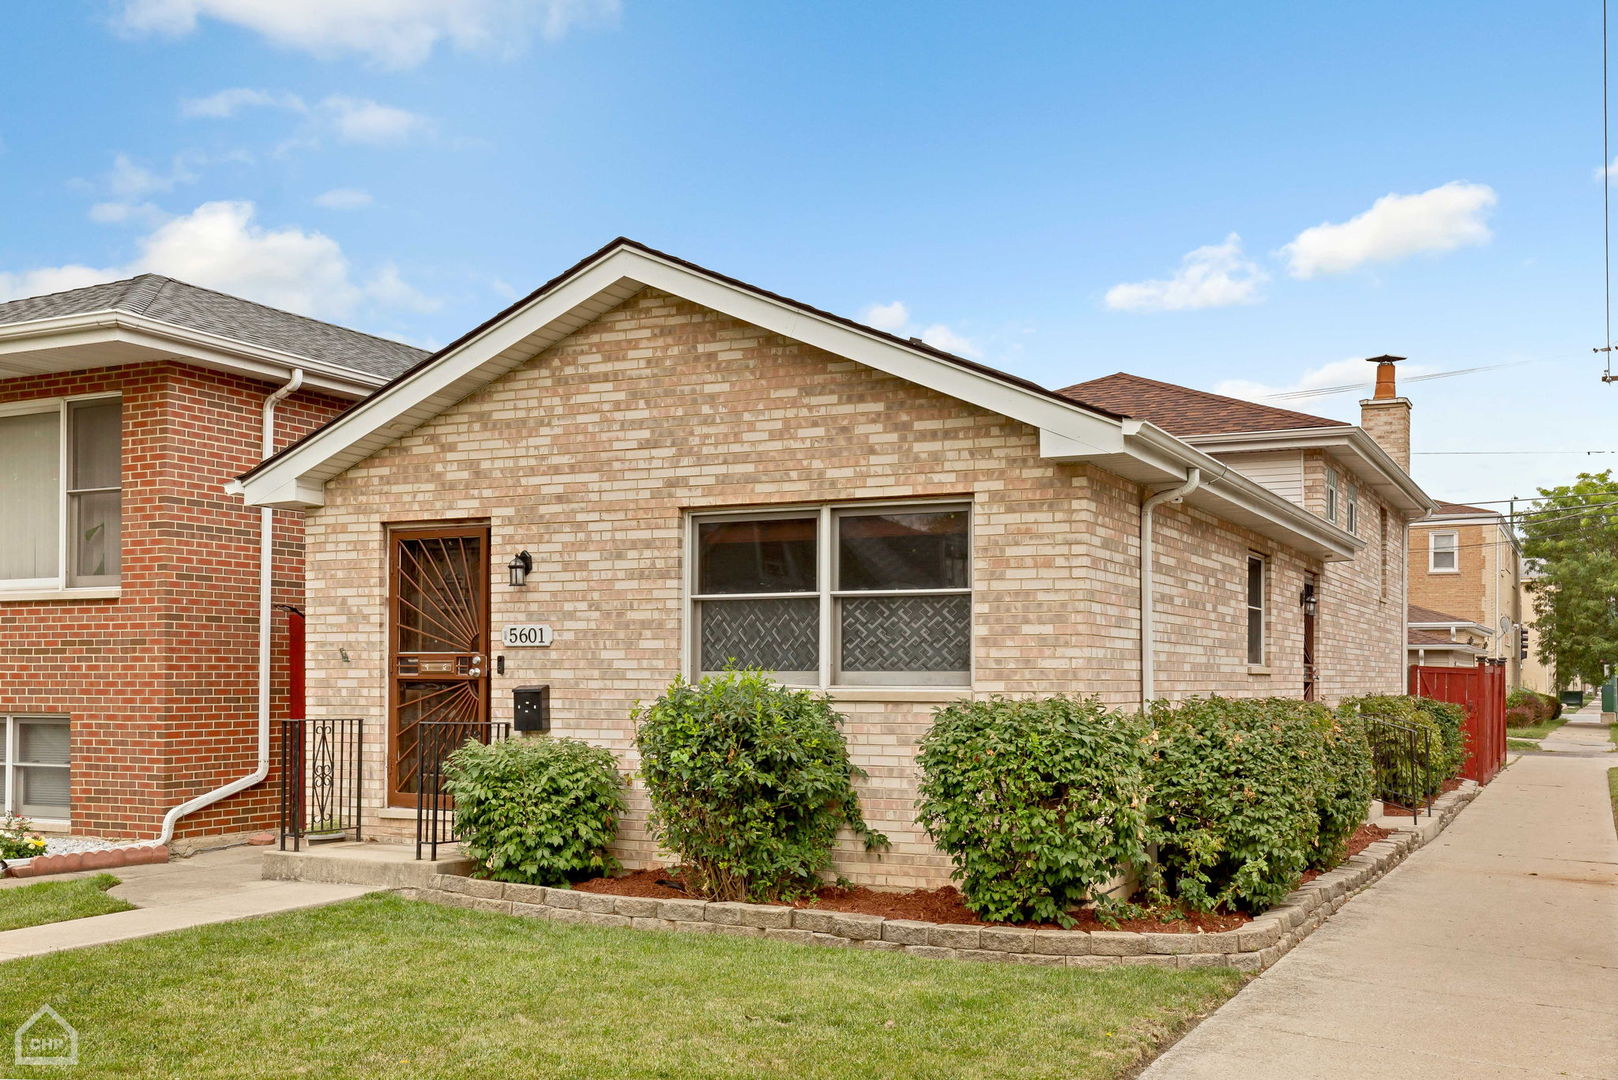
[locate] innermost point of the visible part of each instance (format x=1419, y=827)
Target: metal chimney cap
x=1384, y=359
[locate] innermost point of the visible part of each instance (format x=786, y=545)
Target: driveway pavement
x=215, y=886
x=1490, y=953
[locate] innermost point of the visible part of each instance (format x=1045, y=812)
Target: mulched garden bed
x=942, y=905
x=1363, y=837
x=1392, y=808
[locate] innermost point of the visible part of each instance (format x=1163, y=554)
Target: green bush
x=749, y=783
x=1524, y=708
x=1554, y=703
x=1400, y=771
x=541, y=811
x=1039, y=804
x=1347, y=784
x=1237, y=791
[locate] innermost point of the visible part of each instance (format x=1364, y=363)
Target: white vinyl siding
x=1281, y=471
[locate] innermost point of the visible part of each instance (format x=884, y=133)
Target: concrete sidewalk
x=215, y=886
x=1490, y=953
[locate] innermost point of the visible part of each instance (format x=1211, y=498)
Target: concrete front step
x=387, y=866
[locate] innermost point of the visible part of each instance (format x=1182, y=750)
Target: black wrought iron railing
x=1404, y=759
x=436, y=740
x=320, y=780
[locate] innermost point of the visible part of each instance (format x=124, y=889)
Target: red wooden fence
x=1482, y=689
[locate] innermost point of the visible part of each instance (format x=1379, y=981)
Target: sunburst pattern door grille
x=440, y=636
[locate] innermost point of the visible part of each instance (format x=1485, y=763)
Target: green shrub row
x=1525, y=708
x=1408, y=768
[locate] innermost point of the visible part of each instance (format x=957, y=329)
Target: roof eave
x=1398, y=484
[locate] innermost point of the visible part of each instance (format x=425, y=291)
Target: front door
x=438, y=646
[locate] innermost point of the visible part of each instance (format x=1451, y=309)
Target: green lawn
x=1539, y=730
x=58, y=901
x=382, y=986
x=1612, y=790
x=1521, y=744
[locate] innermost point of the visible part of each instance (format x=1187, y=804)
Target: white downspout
x=266, y=614
x=1148, y=637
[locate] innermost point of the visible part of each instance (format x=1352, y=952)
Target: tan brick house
x=1466, y=561
x=697, y=471
x=135, y=624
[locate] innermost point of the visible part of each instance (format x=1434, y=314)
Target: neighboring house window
x=1332, y=491
x=34, y=769
x=60, y=480
x=836, y=595
x=1255, y=609
x=1353, y=502
x=1442, y=553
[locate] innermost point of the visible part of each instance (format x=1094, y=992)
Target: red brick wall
x=160, y=682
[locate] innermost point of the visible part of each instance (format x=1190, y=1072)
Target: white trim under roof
x=97, y=339
x=1349, y=445
x=1068, y=431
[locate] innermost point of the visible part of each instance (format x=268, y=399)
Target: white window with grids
x=35, y=767
x=1256, y=614
x=845, y=596
x=61, y=487
x=1334, y=485
x=1352, y=501
x=1443, y=553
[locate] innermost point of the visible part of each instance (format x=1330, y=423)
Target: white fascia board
x=1074, y=429
x=197, y=346
x=1452, y=626
x=1350, y=444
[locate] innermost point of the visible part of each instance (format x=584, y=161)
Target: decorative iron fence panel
x=1403, y=759
x=320, y=779
x=436, y=740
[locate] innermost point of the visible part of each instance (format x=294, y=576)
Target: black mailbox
x=531, y=708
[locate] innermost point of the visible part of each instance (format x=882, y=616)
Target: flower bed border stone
x=69, y=862
x=1252, y=947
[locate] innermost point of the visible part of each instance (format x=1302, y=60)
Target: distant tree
x=1571, y=536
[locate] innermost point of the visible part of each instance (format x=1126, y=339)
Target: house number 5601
x=526, y=635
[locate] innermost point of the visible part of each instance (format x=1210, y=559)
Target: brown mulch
x=1363, y=837
x=927, y=905
x=1449, y=785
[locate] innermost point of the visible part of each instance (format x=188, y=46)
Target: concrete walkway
x=216, y=886
x=1492, y=952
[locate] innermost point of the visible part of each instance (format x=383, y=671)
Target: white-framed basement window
x=35, y=767
x=61, y=489
x=835, y=595
x=1443, y=553
x=1257, y=569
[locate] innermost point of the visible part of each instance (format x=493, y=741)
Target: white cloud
x=1610, y=172
x=343, y=198
x=121, y=213
x=129, y=179
x=1217, y=275
x=890, y=317
x=941, y=336
x=226, y=103
x=1395, y=227
x=389, y=33
x=351, y=119
x=219, y=246
x=1355, y=373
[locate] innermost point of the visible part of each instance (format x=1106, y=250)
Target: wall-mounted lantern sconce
x=521, y=565
x=1309, y=601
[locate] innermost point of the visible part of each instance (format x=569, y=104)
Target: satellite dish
x=1505, y=624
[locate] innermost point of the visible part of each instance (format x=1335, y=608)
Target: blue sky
x=1062, y=190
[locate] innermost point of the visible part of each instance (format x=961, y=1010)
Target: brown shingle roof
x=1417, y=613
x=1180, y=410
x=1431, y=637
x=1445, y=509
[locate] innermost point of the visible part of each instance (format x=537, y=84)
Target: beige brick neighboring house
x=1465, y=560
x=699, y=471
x=1438, y=639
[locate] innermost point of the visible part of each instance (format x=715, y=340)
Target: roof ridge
x=143, y=289
x=283, y=311
x=1202, y=393
x=75, y=289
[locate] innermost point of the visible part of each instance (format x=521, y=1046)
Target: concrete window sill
x=111, y=592
x=1258, y=669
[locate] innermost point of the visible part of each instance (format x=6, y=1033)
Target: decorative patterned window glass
x=836, y=596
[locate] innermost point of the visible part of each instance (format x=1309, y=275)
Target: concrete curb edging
x=1252, y=947
x=69, y=862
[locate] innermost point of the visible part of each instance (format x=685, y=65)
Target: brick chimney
x=1385, y=415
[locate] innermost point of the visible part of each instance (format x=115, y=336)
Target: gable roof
x=1068, y=430
x=1447, y=509
x=1180, y=410
x=1417, y=614
x=176, y=303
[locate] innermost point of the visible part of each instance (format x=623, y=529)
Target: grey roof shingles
x=171, y=301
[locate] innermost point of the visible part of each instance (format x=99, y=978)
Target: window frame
x=1351, y=501
x=62, y=584
x=1453, y=550
x=1333, y=493
x=829, y=676
x=11, y=767
x=1262, y=609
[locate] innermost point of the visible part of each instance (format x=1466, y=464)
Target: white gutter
x=266, y=614
x=1148, y=636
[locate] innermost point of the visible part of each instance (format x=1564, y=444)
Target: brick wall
x=589, y=455
x=160, y=682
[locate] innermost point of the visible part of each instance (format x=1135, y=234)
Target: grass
x=1521, y=744
x=382, y=986
x=1612, y=790
x=58, y=901
x=1537, y=731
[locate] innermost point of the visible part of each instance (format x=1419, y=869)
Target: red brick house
x=646, y=468
x=133, y=624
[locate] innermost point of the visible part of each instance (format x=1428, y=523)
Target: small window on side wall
x=1255, y=610
x=1443, y=552
x=1333, y=494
